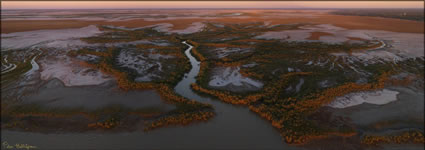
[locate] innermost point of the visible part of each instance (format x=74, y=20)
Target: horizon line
x=191, y=8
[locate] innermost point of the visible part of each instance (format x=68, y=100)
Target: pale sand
x=380, y=97
x=227, y=76
x=70, y=72
x=20, y=40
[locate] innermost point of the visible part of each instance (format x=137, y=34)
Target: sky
x=206, y=4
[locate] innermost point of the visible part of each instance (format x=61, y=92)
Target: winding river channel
x=8, y=66
x=233, y=127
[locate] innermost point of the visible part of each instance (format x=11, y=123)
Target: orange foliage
x=164, y=91
x=404, y=138
x=276, y=87
x=202, y=69
x=180, y=119
x=251, y=74
x=168, y=93
x=227, y=96
x=198, y=55
x=222, y=95
x=108, y=124
x=293, y=108
x=325, y=97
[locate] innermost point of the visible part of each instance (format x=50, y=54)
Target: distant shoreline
x=216, y=9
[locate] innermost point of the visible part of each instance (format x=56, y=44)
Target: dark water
x=55, y=94
x=234, y=127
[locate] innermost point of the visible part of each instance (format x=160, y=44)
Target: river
x=234, y=127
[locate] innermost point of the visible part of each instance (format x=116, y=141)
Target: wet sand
x=404, y=113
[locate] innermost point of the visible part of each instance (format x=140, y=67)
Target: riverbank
x=232, y=127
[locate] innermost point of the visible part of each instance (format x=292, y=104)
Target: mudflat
x=349, y=22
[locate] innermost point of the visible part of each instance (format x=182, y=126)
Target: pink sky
x=207, y=4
